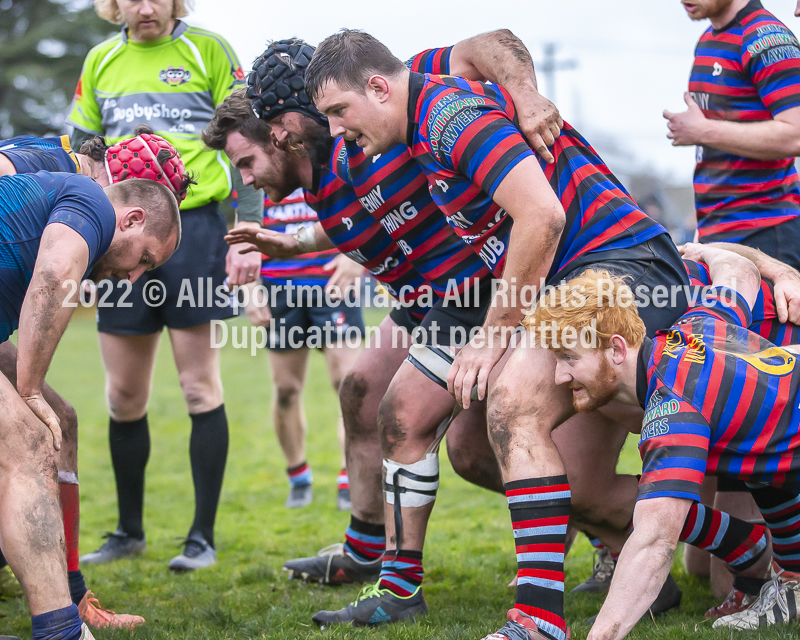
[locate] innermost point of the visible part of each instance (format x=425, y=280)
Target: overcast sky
x=634, y=56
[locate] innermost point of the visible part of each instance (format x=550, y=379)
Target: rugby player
x=294, y=321
x=434, y=249
x=160, y=162
x=565, y=216
x=747, y=428
x=744, y=118
x=58, y=229
x=170, y=75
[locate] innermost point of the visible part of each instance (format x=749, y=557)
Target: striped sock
x=738, y=543
x=539, y=516
x=364, y=542
x=401, y=572
x=781, y=510
x=300, y=475
x=342, y=480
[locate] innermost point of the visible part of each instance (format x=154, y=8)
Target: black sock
x=77, y=587
x=130, y=449
x=208, y=450
x=750, y=586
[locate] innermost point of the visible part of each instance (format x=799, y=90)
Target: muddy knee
x=391, y=429
x=353, y=392
x=287, y=396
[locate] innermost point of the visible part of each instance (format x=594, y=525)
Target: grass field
x=469, y=555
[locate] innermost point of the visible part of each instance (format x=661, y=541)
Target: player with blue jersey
x=106, y=165
x=57, y=229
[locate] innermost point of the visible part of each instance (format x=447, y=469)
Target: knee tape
x=414, y=485
x=434, y=362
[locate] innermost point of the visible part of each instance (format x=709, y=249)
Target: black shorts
x=292, y=320
x=781, y=242
x=180, y=299
x=449, y=322
x=655, y=274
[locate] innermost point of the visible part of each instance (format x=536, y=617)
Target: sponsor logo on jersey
x=174, y=77
x=449, y=117
x=717, y=69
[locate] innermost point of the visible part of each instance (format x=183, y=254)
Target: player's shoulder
x=98, y=52
x=761, y=29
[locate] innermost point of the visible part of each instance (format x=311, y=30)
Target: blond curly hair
x=109, y=10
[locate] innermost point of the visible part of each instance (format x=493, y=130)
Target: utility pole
x=549, y=66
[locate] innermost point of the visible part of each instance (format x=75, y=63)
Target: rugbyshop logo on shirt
x=174, y=77
x=449, y=118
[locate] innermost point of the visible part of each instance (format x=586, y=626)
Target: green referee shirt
x=172, y=84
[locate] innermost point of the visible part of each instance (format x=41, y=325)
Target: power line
x=550, y=66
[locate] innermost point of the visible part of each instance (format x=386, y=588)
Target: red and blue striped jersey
x=764, y=318
x=288, y=216
x=355, y=233
x=745, y=72
x=394, y=190
x=464, y=136
x=433, y=61
x=718, y=399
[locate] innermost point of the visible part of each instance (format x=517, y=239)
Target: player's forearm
x=728, y=269
x=767, y=266
x=642, y=568
x=498, y=56
x=43, y=319
x=531, y=250
x=767, y=140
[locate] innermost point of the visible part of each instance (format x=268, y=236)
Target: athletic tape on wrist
x=410, y=485
x=306, y=239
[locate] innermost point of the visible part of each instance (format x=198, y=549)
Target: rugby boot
x=98, y=618
x=603, y=572
x=197, y=554
x=300, y=496
x=777, y=603
x=735, y=602
x=333, y=566
x=668, y=598
x=375, y=606
x=343, y=500
x=518, y=627
x=9, y=585
x=118, y=545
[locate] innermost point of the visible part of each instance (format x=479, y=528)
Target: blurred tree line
x=42, y=47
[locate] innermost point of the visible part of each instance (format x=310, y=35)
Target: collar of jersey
x=416, y=81
x=177, y=32
x=642, y=382
x=750, y=7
